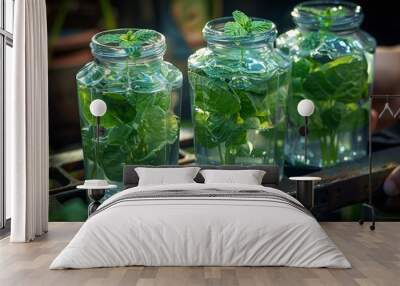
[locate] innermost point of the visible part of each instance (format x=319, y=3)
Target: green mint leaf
x=126, y=44
x=118, y=110
x=353, y=117
x=310, y=42
x=129, y=40
x=260, y=26
x=244, y=25
x=132, y=41
x=120, y=134
x=247, y=107
x=131, y=48
x=112, y=159
x=201, y=128
x=302, y=67
x=234, y=29
x=158, y=127
x=242, y=19
x=109, y=39
x=145, y=36
x=214, y=95
x=128, y=37
x=134, y=52
x=332, y=116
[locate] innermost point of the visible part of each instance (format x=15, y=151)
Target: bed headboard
x=270, y=179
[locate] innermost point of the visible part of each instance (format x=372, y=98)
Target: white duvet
x=200, y=231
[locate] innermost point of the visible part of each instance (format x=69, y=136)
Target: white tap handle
x=98, y=107
x=305, y=107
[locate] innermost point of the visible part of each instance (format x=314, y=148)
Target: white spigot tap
x=305, y=108
x=98, y=107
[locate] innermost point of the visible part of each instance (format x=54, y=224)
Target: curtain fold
x=27, y=122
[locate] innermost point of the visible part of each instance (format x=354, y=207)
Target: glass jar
x=333, y=63
x=143, y=97
x=239, y=89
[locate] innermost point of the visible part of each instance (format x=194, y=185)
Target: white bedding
x=200, y=231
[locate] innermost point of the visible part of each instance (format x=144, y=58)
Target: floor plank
x=375, y=257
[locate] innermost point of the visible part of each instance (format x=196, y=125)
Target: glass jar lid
x=329, y=15
x=133, y=44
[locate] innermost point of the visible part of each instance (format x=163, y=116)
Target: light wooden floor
x=375, y=257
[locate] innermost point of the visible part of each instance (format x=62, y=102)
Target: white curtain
x=27, y=124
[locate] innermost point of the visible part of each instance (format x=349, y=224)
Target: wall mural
x=206, y=89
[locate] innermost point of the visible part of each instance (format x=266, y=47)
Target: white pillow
x=166, y=176
x=248, y=177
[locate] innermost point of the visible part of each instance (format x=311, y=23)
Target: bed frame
x=270, y=179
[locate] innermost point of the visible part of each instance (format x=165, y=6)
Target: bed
x=197, y=224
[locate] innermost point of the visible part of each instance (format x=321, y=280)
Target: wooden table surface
x=375, y=257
